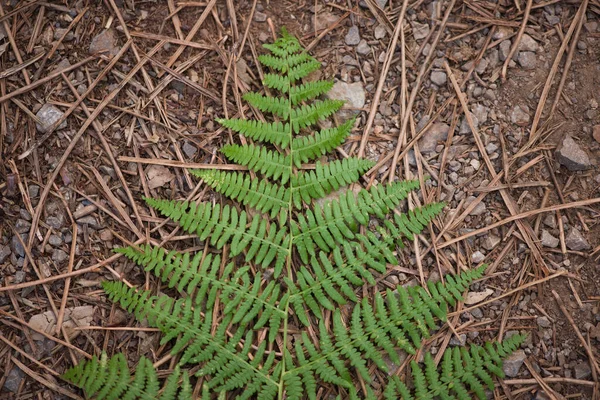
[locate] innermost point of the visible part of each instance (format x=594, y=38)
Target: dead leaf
x=476, y=297
x=74, y=317
x=158, y=176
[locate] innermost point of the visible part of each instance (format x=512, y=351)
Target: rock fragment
x=572, y=156
x=105, y=42
x=353, y=36
x=48, y=115
x=576, y=242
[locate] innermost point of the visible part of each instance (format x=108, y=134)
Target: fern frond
x=308, y=91
x=272, y=132
x=412, y=223
x=402, y=320
x=242, y=296
x=306, y=148
x=335, y=221
x=326, y=178
x=227, y=367
x=110, y=379
x=271, y=164
x=259, y=194
x=265, y=243
x=275, y=105
x=308, y=114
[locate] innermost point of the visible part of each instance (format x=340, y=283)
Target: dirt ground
x=520, y=176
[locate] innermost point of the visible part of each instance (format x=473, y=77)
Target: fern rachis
x=248, y=330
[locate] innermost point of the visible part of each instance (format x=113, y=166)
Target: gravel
x=512, y=364
x=48, y=115
x=439, y=78
x=575, y=241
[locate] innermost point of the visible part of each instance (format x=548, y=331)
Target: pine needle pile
x=272, y=307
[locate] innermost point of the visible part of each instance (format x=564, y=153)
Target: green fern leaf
x=110, y=379
x=309, y=90
x=265, y=244
x=326, y=178
x=306, y=115
x=306, y=148
x=274, y=105
x=257, y=158
x=259, y=194
x=272, y=132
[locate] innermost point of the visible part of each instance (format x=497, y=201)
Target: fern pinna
x=272, y=308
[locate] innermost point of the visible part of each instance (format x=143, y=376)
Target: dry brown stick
x=63, y=302
x=247, y=30
x=531, y=381
x=39, y=82
x=384, y=71
x=327, y=30
x=175, y=19
x=168, y=39
x=18, y=10
x=91, y=268
x=98, y=128
x=511, y=292
x=75, y=104
x=13, y=70
x=177, y=75
x=45, y=382
x=38, y=212
x=28, y=356
x=524, y=226
x=553, y=70
x=14, y=46
x=192, y=33
x=527, y=214
x=57, y=43
x=416, y=88
x=592, y=359
x=567, y=65
x=517, y=41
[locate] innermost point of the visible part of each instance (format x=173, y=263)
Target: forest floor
x=135, y=88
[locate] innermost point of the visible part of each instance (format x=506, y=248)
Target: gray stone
x=436, y=133
x=55, y=240
x=527, y=43
x=479, y=208
x=582, y=371
x=477, y=257
x=352, y=93
x=17, y=247
x=550, y=221
x=106, y=42
x=512, y=364
x=59, y=256
x=490, y=242
x=543, y=322
x=552, y=19
x=527, y=59
x=22, y=226
x=13, y=380
x=491, y=148
x=420, y=31
x=461, y=340
x=19, y=276
x=63, y=64
x=353, y=36
x=572, y=156
x=34, y=190
x=381, y=3
x=260, y=16
x=548, y=240
x=439, y=78
x=464, y=125
x=379, y=32
x=504, y=50
x=477, y=313
x=189, y=149
x=591, y=26
x=91, y=221
x=363, y=47
x=480, y=112
x=5, y=252
x=55, y=222
x=482, y=66
x=520, y=115
x=48, y=115
x=576, y=242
